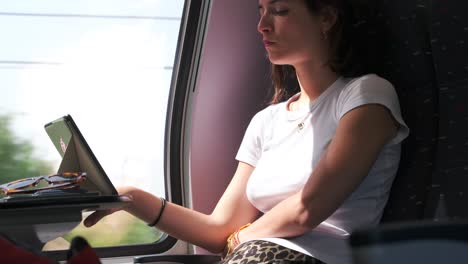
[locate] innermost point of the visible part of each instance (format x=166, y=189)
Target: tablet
x=96, y=193
x=78, y=156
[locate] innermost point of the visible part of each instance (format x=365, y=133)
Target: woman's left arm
x=360, y=136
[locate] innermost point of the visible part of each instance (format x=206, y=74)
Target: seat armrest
x=411, y=242
x=195, y=259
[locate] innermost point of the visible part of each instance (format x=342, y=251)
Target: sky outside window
x=108, y=63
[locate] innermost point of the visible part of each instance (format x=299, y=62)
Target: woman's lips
x=268, y=43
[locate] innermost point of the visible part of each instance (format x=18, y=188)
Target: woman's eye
x=280, y=12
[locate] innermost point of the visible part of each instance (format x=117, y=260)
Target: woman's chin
x=277, y=61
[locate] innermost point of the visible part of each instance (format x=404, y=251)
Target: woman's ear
x=328, y=18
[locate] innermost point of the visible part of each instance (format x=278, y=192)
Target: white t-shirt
x=285, y=146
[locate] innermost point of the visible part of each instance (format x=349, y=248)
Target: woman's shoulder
x=270, y=111
x=263, y=118
x=368, y=81
x=367, y=85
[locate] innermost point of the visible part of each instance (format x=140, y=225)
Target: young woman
x=311, y=168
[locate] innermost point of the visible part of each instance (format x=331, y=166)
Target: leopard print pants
x=259, y=251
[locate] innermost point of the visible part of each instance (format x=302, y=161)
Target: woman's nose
x=264, y=24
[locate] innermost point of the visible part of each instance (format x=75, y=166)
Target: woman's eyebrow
x=270, y=3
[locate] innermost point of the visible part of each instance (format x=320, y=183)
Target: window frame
x=184, y=77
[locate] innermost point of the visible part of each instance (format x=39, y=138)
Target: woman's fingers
x=96, y=216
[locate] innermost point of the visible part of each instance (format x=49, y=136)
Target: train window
x=109, y=64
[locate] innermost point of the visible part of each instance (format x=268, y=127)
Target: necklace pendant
x=300, y=125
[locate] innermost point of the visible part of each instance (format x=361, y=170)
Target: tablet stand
x=35, y=226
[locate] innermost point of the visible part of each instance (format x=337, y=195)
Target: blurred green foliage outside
x=16, y=156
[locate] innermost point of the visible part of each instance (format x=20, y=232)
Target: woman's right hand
x=96, y=216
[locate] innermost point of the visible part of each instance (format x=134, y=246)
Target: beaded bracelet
x=163, y=205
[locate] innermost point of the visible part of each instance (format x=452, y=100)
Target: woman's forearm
x=208, y=231
x=286, y=219
x=180, y=222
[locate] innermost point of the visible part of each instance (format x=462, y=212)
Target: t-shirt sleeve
x=250, y=149
x=372, y=89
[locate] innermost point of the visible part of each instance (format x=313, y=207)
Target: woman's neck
x=313, y=81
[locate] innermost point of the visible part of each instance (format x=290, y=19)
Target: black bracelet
x=160, y=212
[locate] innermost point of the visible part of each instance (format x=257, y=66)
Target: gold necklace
x=293, y=106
